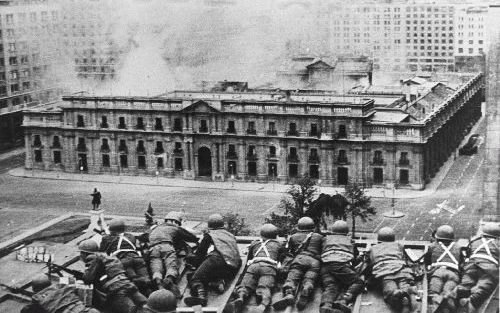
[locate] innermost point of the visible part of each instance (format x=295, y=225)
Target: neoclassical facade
x=256, y=135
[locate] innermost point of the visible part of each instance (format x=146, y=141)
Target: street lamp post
x=231, y=171
x=393, y=213
x=273, y=177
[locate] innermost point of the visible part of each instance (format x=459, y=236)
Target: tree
x=293, y=205
x=235, y=224
x=359, y=204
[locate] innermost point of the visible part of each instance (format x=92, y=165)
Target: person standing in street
x=96, y=199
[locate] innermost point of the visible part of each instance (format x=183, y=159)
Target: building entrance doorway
x=342, y=175
x=82, y=162
x=204, y=162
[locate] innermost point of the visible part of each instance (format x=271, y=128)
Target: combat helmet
x=175, y=217
x=305, y=223
x=89, y=246
x=269, y=231
x=491, y=229
x=339, y=228
x=40, y=282
x=161, y=301
x=386, y=234
x=117, y=226
x=215, y=221
x=445, y=232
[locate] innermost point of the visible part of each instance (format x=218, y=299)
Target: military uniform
x=480, y=276
x=337, y=271
x=389, y=266
x=123, y=247
x=163, y=257
x=107, y=275
x=443, y=259
x=264, y=256
x=57, y=299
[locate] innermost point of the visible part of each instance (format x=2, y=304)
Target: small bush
x=235, y=224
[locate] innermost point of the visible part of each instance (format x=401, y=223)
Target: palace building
x=373, y=138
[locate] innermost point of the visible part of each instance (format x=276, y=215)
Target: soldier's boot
x=287, y=300
x=342, y=304
x=218, y=286
x=236, y=306
x=199, y=297
x=172, y=286
x=305, y=295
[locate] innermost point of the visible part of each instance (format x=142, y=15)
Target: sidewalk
x=177, y=182
x=11, y=153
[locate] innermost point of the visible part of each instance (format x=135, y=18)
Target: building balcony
x=56, y=146
x=231, y=131
x=251, y=132
x=252, y=157
x=203, y=130
x=313, y=159
x=140, y=150
x=105, y=149
x=292, y=133
x=404, y=162
x=293, y=158
x=272, y=156
x=159, y=127
x=231, y=155
x=140, y=127
x=342, y=160
x=122, y=126
x=272, y=132
x=123, y=149
x=81, y=148
x=178, y=152
x=80, y=125
x=315, y=134
x=177, y=129
x=378, y=162
x=159, y=151
x=104, y=125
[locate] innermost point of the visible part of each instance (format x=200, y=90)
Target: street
x=26, y=202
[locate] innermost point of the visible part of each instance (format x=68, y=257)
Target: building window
x=403, y=177
x=272, y=170
x=55, y=142
x=378, y=158
x=403, y=159
x=314, y=130
x=80, y=122
x=57, y=157
x=38, y=156
x=342, y=157
x=292, y=156
x=378, y=175
x=121, y=123
x=159, y=147
x=140, y=123
x=123, y=146
x=158, y=124
x=342, y=175
x=231, y=152
x=141, y=161
x=272, y=151
x=252, y=168
x=104, y=122
x=81, y=144
x=140, y=147
x=231, y=167
x=252, y=154
x=203, y=126
x=313, y=156
x=272, y=129
x=314, y=171
x=342, y=131
x=177, y=125
x=292, y=130
x=123, y=160
x=36, y=141
x=178, y=147
x=178, y=164
x=159, y=163
x=230, y=127
x=105, y=160
x=105, y=145
x=251, y=128
x=293, y=170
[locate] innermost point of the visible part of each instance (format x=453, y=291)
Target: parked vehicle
x=471, y=146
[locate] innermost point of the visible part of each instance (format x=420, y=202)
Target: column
x=242, y=167
x=261, y=162
x=282, y=163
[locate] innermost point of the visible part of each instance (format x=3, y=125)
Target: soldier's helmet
x=161, y=301
x=339, y=228
x=175, y=217
x=386, y=234
x=89, y=246
x=215, y=221
x=117, y=226
x=491, y=229
x=305, y=223
x=269, y=231
x=445, y=232
x=39, y=282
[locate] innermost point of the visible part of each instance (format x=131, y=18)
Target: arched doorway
x=204, y=162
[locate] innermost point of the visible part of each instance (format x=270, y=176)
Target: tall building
x=259, y=135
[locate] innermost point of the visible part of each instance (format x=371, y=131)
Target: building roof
x=392, y=116
x=429, y=101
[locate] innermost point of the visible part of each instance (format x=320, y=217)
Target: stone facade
x=252, y=136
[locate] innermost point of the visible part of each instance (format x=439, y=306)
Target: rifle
x=60, y=268
x=17, y=290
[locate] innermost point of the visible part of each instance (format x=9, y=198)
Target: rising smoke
x=176, y=44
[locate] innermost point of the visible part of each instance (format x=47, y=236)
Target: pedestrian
x=48, y=298
x=444, y=260
x=122, y=245
x=305, y=248
x=388, y=267
x=96, y=199
x=222, y=262
x=113, y=290
x=341, y=283
x=264, y=256
x=480, y=275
